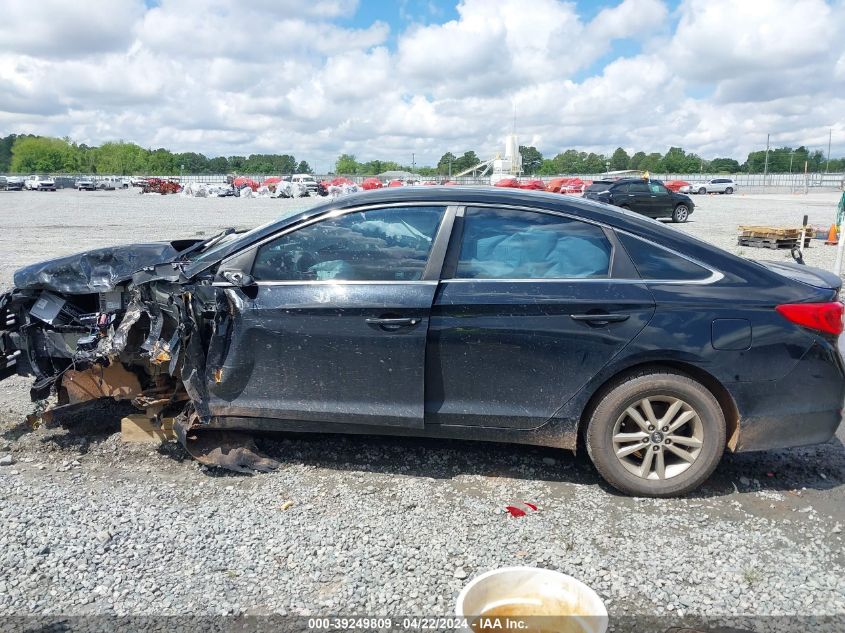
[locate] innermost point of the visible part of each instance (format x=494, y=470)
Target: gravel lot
x=385, y=526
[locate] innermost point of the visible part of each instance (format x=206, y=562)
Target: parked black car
x=648, y=197
x=483, y=314
x=14, y=183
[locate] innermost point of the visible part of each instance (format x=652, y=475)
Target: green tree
x=636, y=160
x=446, y=163
x=466, y=161
x=41, y=154
x=194, y=163
x=620, y=160
x=161, y=162
x=120, y=158
x=218, y=165
x=532, y=159
x=595, y=163
x=303, y=168
x=723, y=166
x=652, y=162
x=346, y=164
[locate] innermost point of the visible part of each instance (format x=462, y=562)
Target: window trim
x=448, y=213
x=618, y=251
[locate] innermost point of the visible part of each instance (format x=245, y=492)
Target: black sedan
x=648, y=197
x=481, y=314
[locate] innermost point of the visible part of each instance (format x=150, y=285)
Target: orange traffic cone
x=832, y=238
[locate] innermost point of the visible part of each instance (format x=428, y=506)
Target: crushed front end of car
x=122, y=323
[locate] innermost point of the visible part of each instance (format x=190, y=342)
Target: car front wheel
x=729, y=190
x=680, y=214
x=656, y=434
x=702, y=191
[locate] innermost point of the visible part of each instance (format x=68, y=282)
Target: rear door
x=527, y=312
x=334, y=329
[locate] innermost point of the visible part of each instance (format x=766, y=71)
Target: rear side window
x=653, y=262
x=508, y=244
x=599, y=186
x=377, y=245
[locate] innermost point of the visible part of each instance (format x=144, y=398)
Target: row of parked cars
x=48, y=183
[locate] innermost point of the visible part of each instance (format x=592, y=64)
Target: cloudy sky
x=385, y=78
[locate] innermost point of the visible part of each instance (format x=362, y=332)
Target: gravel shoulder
x=385, y=525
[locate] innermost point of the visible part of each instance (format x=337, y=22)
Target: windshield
x=220, y=246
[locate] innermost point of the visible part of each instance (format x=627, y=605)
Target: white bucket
x=547, y=600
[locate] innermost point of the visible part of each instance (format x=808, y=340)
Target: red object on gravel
x=675, y=185
x=520, y=508
x=508, y=182
x=371, y=183
x=396, y=183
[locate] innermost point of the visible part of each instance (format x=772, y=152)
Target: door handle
x=390, y=324
x=600, y=318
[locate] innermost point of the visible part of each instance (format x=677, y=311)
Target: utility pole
x=413, y=162
x=829, y=137
x=766, y=162
x=791, y=181
x=450, y=166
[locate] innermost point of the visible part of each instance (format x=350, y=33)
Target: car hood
x=98, y=270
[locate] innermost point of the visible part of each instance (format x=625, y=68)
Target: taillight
x=824, y=317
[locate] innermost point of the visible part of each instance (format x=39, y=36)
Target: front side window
x=656, y=187
x=506, y=244
x=379, y=245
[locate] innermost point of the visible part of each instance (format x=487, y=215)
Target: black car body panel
x=647, y=197
x=98, y=270
x=499, y=359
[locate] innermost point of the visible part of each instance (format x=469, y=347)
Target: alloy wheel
x=658, y=437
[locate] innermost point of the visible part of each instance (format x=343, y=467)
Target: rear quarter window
x=654, y=262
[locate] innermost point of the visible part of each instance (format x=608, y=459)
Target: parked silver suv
x=714, y=185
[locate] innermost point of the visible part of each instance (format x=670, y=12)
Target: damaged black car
x=480, y=314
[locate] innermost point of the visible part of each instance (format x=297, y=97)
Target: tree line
x=40, y=154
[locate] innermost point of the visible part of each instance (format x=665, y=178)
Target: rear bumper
x=804, y=407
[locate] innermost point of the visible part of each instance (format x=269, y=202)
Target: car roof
x=466, y=196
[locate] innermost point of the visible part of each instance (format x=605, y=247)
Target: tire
x=702, y=190
x=704, y=424
x=729, y=190
x=680, y=214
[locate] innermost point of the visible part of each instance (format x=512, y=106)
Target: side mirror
x=238, y=278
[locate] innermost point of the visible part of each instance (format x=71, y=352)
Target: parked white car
x=108, y=183
x=307, y=182
x=714, y=185
x=40, y=183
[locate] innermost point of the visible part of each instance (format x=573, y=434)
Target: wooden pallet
x=771, y=242
x=776, y=232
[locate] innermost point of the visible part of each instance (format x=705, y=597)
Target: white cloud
x=223, y=77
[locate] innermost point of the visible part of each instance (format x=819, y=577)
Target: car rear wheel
x=656, y=434
x=680, y=214
x=729, y=190
x=702, y=190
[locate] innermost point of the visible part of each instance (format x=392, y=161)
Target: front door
x=639, y=198
x=527, y=313
x=336, y=328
